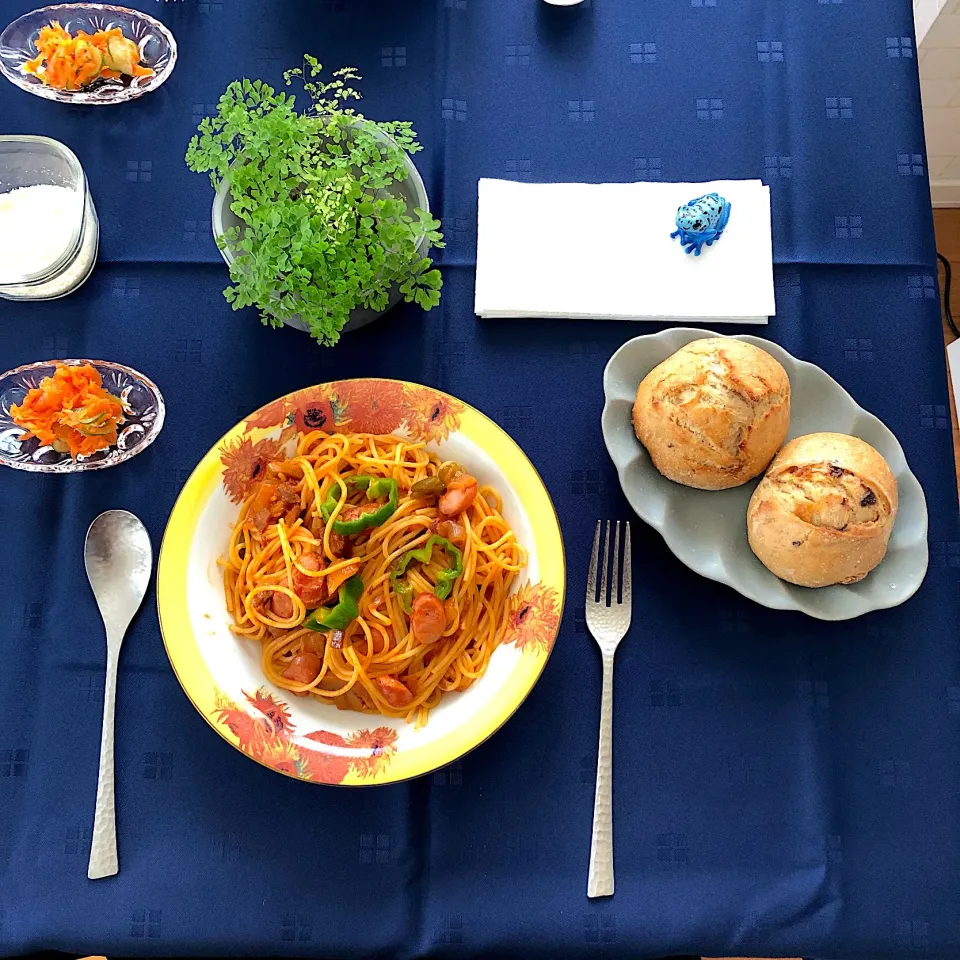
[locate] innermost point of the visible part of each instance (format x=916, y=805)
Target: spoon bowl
x=118, y=559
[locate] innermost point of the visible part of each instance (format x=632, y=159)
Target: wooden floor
x=947, y=225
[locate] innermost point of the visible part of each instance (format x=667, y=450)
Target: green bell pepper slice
x=404, y=594
x=445, y=578
x=384, y=486
x=343, y=614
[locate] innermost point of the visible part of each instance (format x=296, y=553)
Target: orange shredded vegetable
x=70, y=411
x=70, y=63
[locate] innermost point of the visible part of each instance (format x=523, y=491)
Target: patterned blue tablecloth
x=783, y=786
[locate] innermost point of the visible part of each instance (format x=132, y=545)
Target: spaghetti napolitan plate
x=234, y=588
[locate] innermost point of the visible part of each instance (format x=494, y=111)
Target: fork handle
x=103, y=845
x=600, y=878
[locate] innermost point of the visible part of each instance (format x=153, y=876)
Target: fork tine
x=627, y=565
x=592, y=572
x=615, y=585
x=606, y=563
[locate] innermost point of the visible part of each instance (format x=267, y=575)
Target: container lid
x=43, y=192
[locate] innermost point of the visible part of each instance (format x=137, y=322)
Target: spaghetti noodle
x=406, y=602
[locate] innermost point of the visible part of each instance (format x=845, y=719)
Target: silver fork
x=608, y=617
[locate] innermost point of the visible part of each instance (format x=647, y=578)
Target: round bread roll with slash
x=824, y=512
x=713, y=414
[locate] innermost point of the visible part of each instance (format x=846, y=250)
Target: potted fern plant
x=321, y=215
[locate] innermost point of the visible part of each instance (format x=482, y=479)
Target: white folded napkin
x=603, y=250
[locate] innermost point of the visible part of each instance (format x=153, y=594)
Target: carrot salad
x=70, y=411
x=70, y=63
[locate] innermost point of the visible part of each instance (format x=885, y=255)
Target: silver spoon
x=118, y=559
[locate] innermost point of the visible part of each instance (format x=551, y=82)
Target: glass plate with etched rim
x=142, y=420
x=158, y=50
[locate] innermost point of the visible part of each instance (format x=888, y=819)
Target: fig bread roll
x=824, y=512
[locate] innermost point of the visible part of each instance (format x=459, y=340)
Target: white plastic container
x=68, y=260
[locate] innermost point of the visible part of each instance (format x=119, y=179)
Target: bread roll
x=824, y=511
x=713, y=414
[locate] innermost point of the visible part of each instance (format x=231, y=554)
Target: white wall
x=924, y=13
x=940, y=90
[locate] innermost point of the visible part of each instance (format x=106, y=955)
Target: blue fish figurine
x=701, y=221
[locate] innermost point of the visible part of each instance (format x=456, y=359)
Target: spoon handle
x=103, y=846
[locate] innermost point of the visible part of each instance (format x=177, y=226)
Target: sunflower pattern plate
x=220, y=672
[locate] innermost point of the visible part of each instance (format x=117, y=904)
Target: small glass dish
x=158, y=50
x=144, y=412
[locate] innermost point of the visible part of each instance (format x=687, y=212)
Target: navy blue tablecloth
x=782, y=786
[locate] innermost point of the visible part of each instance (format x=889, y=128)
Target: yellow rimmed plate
x=220, y=672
